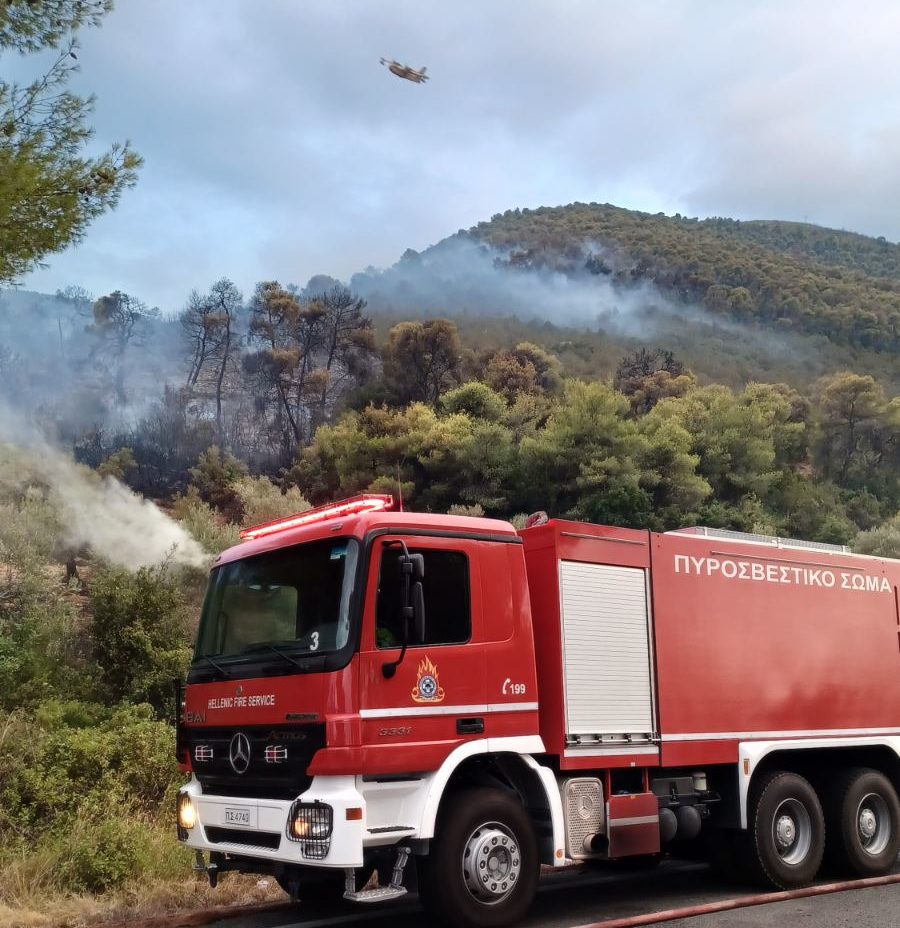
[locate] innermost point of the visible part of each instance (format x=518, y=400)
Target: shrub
x=262, y=500
x=212, y=532
x=459, y=510
x=40, y=645
x=99, y=856
x=883, y=541
x=139, y=634
x=214, y=476
x=118, y=465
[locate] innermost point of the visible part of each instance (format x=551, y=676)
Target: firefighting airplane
x=402, y=70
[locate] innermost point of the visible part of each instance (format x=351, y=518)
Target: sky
x=277, y=147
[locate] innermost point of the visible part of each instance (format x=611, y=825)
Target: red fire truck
x=447, y=703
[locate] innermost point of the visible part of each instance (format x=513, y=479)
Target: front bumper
x=258, y=827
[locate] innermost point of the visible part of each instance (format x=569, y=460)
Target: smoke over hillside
x=588, y=287
x=101, y=513
x=461, y=275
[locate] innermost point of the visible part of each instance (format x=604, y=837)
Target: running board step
x=395, y=890
x=379, y=894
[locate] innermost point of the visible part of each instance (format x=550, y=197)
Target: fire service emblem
x=428, y=687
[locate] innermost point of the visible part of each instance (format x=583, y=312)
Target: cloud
x=276, y=145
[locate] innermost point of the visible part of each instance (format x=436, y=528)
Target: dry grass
x=38, y=909
x=33, y=895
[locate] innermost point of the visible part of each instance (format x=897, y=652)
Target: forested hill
x=794, y=277
x=837, y=247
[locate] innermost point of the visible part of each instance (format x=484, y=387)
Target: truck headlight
x=310, y=821
x=187, y=813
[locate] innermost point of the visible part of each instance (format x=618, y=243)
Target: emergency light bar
x=367, y=502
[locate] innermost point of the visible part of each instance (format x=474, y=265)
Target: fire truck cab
x=446, y=703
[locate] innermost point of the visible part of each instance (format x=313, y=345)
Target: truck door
x=435, y=700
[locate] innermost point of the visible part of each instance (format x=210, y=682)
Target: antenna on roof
x=399, y=487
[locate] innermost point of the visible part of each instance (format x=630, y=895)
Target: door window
x=448, y=616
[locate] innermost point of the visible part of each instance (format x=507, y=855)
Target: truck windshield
x=294, y=601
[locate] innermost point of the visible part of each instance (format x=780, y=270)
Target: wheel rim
x=792, y=831
x=873, y=824
x=492, y=863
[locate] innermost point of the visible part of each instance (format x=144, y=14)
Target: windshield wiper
x=279, y=652
x=222, y=670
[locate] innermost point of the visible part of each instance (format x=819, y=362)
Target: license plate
x=238, y=817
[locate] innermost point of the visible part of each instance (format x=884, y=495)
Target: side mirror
x=412, y=571
x=412, y=565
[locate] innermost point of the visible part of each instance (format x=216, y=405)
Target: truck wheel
x=787, y=830
x=863, y=822
x=482, y=869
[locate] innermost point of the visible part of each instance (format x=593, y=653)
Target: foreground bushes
x=73, y=759
x=82, y=789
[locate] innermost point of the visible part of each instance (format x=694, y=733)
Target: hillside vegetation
x=793, y=277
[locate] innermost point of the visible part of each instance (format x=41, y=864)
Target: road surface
x=578, y=897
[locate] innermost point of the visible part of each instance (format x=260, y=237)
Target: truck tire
x=863, y=816
x=483, y=867
x=787, y=831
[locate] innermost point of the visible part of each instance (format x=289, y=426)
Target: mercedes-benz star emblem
x=239, y=753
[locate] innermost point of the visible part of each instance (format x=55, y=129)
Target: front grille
x=267, y=839
x=277, y=764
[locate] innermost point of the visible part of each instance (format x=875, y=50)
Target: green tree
x=583, y=463
x=262, y=501
x=857, y=432
x=50, y=188
x=787, y=413
x=669, y=471
x=810, y=510
x=440, y=460
x=475, y=399
x=733, y=435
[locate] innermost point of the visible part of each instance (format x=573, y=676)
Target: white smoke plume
x=590, y=288
x=101, y=513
